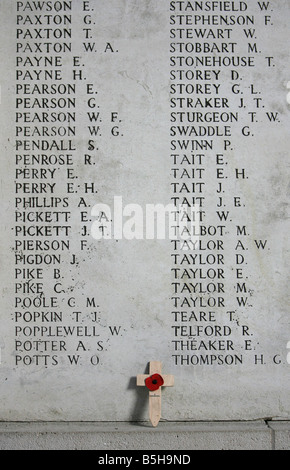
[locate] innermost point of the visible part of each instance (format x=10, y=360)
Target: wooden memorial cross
x=154, y=381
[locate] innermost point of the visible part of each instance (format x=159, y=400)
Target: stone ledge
x=253, y=435
x=281, y=434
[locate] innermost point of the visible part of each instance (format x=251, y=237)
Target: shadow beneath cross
x=139, y=415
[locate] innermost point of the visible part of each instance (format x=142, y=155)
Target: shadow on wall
x=139, y=415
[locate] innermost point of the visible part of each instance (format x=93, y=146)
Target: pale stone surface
x=131, y=280
x=141, y=436
x=281, y=434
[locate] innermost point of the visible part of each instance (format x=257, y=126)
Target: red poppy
x=154, y=382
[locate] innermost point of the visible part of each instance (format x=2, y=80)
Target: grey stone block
x=281, y=434
x=137, y=436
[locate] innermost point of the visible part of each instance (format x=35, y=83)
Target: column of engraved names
x=257, y=120
x=206, y=58
x=98, y=125
x=45, y=155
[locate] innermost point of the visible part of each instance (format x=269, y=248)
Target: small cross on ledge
x=154, y=381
